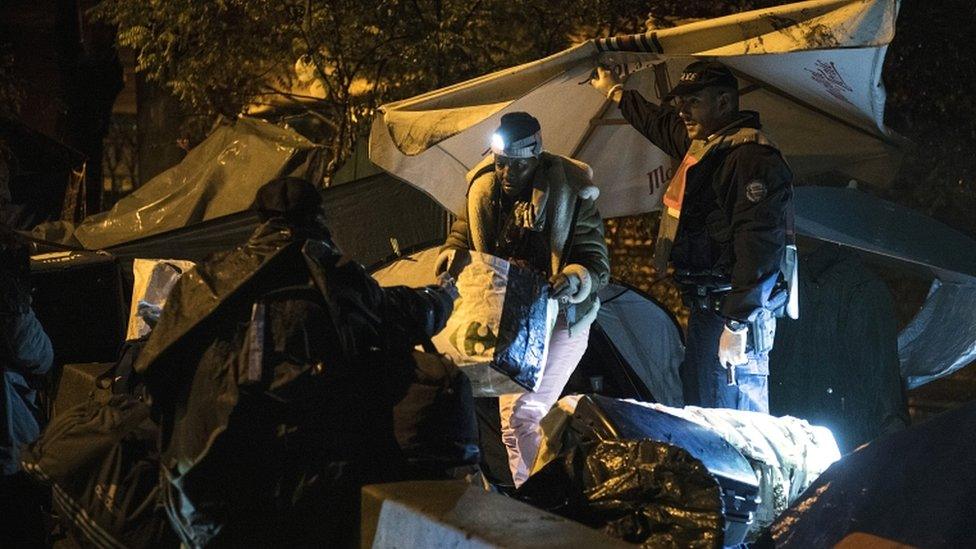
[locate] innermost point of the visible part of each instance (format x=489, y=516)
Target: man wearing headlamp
x=537, y=210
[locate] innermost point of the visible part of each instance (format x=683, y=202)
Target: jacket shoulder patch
x=755, y=190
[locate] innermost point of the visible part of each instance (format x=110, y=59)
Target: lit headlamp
x=527, y=147
x=497, y=142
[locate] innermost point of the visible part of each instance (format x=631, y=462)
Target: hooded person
x=26, y=355
x=274, y=371
x=537, y=209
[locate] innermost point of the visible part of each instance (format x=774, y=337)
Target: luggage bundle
x=101, y=460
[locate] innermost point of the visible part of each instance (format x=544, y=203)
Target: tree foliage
x=220, y=56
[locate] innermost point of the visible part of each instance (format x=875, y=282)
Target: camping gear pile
x=256, y=430
x=762, y=463
x=813, y=70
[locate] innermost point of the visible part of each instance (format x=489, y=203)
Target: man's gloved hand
x=443, y=259
x=732, y=346
x=604, y=80
x=565, y=286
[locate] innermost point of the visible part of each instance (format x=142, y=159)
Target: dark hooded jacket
x=311, y=383
x=208, y=305
x=733, y=223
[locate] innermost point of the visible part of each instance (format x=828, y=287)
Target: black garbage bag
x=274, y=437
x=295, y=398
x=640, y=491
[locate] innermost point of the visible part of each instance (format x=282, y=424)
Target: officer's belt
x=703, y=290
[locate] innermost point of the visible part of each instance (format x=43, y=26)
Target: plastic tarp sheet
x=363, y=216
x=942, y=336
x=218, y=177
x=913, y=488
x=786, y=453
x=193, y=243
x=812, y=70
x=152, y=281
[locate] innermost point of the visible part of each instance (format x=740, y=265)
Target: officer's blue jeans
x=702, y=368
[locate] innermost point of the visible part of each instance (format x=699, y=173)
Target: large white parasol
x=812, y=70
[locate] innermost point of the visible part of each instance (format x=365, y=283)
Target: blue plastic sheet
x=942, y=336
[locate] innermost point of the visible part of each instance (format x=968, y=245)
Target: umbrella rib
x=454, y=158
x=594, y=122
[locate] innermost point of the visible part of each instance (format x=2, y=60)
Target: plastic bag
x=153, y=280
x=499, y=332
x=641, y=491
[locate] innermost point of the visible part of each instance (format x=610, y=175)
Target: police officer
x=726, y=212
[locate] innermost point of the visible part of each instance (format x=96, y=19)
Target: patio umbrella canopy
x=811, y=69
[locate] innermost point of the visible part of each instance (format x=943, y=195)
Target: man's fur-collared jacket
x=577, y=246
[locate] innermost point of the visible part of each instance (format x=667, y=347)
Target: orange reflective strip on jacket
x=675, y=193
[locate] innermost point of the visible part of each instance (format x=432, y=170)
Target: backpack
x=101, y=461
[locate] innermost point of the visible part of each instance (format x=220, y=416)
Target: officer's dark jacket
x=724, y=229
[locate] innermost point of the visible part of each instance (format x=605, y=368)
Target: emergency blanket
x=640, y=491
x=786, y=453
x=152, y=281
x=499, y=332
